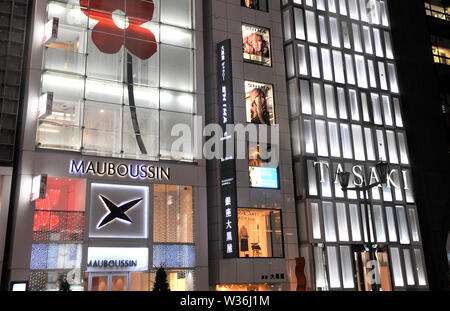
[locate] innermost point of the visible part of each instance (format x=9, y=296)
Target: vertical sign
x=227, y=164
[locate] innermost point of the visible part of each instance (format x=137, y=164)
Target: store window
x=58, y=233
x=260, y=5
x=173, y=214
x=260, y=233
x=263, y=166
x=117, y=77
x=256, y=45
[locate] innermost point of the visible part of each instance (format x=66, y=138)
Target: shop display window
x=173, y=214
x=260, y=233
x=260, y=5
x=263, y=166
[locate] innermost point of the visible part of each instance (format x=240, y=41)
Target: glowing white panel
x=131, y=219
x=117, y=259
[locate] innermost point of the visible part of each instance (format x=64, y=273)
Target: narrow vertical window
x=402, y=225
x=380, y=230
x=318, y=99
x=305, y=97
x=378, y=44
x=342, y=103
x=341, y=212
x=353, y=7
x=311, y=26
x=365, y=107
x=338, y=67
x=355, y=223
x=326, y=63
x=376, y=109
x=388, y=45
x=329, y=223
x=323, y=30
x=391, y=224
x=289, y=56
x=354, y=107
x=334, y=30
x=403, y=149
x=287, y=25
x=367, y=40
x=322, y=140
x=315, y=217
x=346, y=35
x=372, y=75
x=350, y=70
x=302, y=65
x=397, y=267
x=295, y=137
x=342, y=7
x=358, y=143
x=393, y=78
x=369, y=144
x=334, y=140
x=330, y=102
x=309, y=138
x=398, y=113
x=333, y=267
x=392, y=147
x=388, y=120
x=361, y=71
x=382, y=73
x=332, y=6
x=299, y=24
x=314, y=56
x=357, y=38
x=346, y=141
x=381, y=147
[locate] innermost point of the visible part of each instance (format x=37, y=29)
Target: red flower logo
x=109, y=37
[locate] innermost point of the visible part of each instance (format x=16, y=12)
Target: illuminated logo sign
x=111, y=169
x=127, y=211
x=117, y=259
x=116, y=212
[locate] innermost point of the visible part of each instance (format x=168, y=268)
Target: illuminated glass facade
x=99, y=53
x=345, y=115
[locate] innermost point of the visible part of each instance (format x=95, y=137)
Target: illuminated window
x=260, y=233
x=263, y=166
x=173, y=214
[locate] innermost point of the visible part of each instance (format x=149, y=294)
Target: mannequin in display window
x=243, y=237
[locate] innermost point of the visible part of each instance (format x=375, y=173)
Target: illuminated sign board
x=263, y=177
x=111, y=169
x=118, y=211
x=117, y=259
x=227, y=164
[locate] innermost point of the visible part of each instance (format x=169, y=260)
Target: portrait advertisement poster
x=256, y=45
x=260, y=5
x=259, y=103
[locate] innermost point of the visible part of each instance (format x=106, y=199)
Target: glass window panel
x=315, y=67
x=355, y=223
x=323, y=30
x=174, y=256
x=341, y=212
x=65, y=88
x=173, y=207
x=148, y=120
x=177, y=12
x=334, y=140
x=381, y=147
x=309, y=2
x=332, y=6
x=347, y=267
x=408, y=267
x=320, y=5
x=167, y=121
x=388, y=45
x=367, y=40
x=379, y=224
x=305, y=96
x=378, y=44
x=329, y=223
x=387, y=194
x=319, y=268
x=342, y=103
x=392, y=147
x=354, y=107
x=293, y=97
x=358, y=143
x=322, y=145
x=334, y=30
x=102, y=128
x=393, y=78
x=384, y=16
x=387, y=111
x=176, y=36
x=326, y=184
x=372, y=75
x=376, y=109
x=311, y=26
x=312, y=182
x=413, y=224
x=369, y=144
x=330, y=102
x=350, y=70
x=357, y=38
x=402, y=225
x=398, y=114
x=318, y=99
x=68, y=15
x=420, y=267
x=363, y=10
x=346, y=141
x=309, y=138
x=353, y=7
x=287, y=25
x=397, y=267
x=361, y=71
x=302, y=65
x=391, y=224
x=326, y=63
x=342, y=7
x=333, y=267
x=364, y=223
x=177, y=68
x=289, y=57
x=175, y=101
x=295, y=138
x=105, y=66
x=346, y=35
x=64, y=61
x=317, y=235
x=408, y=186
x=382, y=73
x=374, y=12
x=338, y=67
x=299, y=24
x=105, y=91
x=365, y=107
x=52, y=135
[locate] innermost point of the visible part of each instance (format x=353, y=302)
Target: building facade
x=106, y=194
x=345, y=115
x=106, y=83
